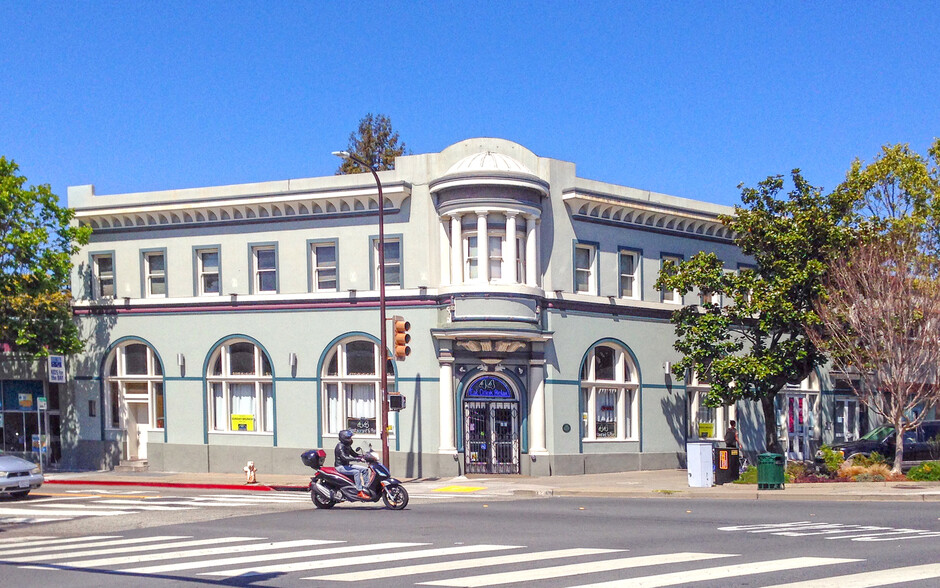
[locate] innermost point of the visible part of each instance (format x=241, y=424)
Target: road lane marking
x=718, y=573
x=361, y=559
x=522, y=576
x=465, y=564
x=894, y=576
x=213, y=563
x=190, y=553
x=459, y=489
x=134, y=548
x=65, y=512
x=65, y=544
x=20, y=541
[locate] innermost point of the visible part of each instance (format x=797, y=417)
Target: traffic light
x=396, y=402
x=401, y=337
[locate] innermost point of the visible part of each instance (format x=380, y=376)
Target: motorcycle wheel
x=319, y=500
x=395, y=497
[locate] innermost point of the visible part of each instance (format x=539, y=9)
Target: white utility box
x=700, y=465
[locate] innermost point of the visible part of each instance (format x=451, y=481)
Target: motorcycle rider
x=346, y=462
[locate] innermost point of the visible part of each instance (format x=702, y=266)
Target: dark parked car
x=920, y=445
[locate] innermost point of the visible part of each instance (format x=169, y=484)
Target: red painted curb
x=176, y=485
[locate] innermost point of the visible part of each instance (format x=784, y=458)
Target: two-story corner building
x=238, y=323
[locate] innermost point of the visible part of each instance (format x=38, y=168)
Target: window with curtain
x=352, y=390
x=609, y=395
x=241, y=381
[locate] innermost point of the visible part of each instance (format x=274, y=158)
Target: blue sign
x=490, y=387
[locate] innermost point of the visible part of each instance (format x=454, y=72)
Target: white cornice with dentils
x=255, y=207
x=616, y=210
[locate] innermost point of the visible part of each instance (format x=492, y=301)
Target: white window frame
x=721, y=416
x=202, y=273
x=670, y=297
x=151, y=275
x=634, y=293
x=320, y=269
x=590, y=272
x=99, y=277
x=392, y=263
x=258, y=271
x=117, y=392
x=335, y=418
x=625, y=385
x=262, y=390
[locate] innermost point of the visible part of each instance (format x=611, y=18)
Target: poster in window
x=606, y=429
x=25, y=400
x=243, y=422
x=706, y=430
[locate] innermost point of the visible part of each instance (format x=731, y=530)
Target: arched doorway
x=134, y=399
x=491, y=427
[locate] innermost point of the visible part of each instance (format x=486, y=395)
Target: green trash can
x=770, y=471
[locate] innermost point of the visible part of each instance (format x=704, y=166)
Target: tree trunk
x=771, y=441
x=898, y=448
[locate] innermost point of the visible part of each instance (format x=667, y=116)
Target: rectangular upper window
x=207, y=272
x=393, y=277
x=629, y=274
x=671, y=296
x=585, y=268
x=103, y=276
x=264, y=263
x=155, y=274
x=323, y=267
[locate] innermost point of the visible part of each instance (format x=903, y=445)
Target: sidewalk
x=642, y=484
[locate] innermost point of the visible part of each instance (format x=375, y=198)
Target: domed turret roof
x=487, y=161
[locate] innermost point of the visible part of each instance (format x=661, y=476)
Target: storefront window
x=242, y=389
x=352, y=389
x=608, y=394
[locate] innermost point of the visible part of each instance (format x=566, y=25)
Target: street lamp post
x=384, y=352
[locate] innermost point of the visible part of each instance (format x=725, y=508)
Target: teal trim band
x=563, y=382
x=664, y=386
x=418, y=379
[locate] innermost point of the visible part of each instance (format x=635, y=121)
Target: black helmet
x=345, y=436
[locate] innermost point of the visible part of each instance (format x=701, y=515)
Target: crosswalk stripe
x=361, y=559
x=52, y=541
x=24, y=540
x=192, y=504
x=465, y=564
x=623, y=563
x=108, y=505
x=134, y=548
x=192, y=565
x=33, y=520
x=108, y=543
x=190, y=553
x=69, y=512
x=873, y=578
x=264, y=496
x=718, y=573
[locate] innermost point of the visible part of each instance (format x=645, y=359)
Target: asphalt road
x=541, y=542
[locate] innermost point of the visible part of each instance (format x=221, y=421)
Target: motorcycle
x=328, y=486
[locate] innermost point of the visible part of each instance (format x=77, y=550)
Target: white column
x=531, y=251
x=537, y=407
x=483, y=248
x=446, y=399
x=445, y=252
x=509, y=256
x=456, y=251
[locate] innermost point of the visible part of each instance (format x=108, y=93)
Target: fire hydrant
x=250, y=472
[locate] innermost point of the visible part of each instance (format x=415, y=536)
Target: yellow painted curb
x=459, y=489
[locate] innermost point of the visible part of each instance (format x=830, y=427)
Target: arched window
x=241, y=389
x=134, y=385
x=351, y=388
x=609, y=387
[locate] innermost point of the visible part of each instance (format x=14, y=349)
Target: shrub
x=875, y=458
x=868, y=477
x=833, y=459
x=849, y=470
x=928, y=472
x=796, y=470
x=748, y=476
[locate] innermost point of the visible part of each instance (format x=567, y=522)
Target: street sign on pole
x=57, y=369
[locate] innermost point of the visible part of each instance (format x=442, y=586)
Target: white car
x=18, y=476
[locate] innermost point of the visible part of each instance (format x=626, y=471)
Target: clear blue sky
x=685, y=98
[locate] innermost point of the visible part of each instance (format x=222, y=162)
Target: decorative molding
x=259, y=208
x=645, y=215
x=488, y=345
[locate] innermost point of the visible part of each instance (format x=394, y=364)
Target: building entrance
x=491, y=427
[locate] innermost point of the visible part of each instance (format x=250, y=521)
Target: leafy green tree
x=37, y=241
x=755, y=343
x=375, y=142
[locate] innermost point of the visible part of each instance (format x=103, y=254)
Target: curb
x=256, y=488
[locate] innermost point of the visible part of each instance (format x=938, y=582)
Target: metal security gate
x=491, y=437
